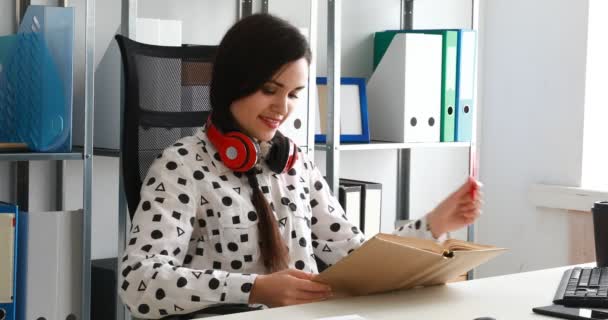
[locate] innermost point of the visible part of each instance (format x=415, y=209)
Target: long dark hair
x=251, y=52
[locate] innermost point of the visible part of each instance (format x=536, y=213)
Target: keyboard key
x=594, y=281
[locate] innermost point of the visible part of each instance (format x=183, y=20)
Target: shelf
x=382, y=145
x=28, y=156
x=102, y=152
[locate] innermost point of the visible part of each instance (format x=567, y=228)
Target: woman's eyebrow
x=283, y=86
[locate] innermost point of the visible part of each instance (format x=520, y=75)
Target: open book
x=388, y=262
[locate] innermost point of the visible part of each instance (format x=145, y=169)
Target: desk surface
x=504, y=297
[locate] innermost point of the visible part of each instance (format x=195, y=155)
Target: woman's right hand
x=287, y=287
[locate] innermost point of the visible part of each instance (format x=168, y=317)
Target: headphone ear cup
x=241, y=152
x=282, y=154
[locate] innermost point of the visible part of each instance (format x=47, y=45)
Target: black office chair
x=166, y=98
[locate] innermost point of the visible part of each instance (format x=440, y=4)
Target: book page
x=460, y=245
x=423, y=244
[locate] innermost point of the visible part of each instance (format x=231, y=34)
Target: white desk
x=505, y=297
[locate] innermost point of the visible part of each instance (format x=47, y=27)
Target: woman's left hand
x=458, y=210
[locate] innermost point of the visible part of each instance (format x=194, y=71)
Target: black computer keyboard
x=583, y=287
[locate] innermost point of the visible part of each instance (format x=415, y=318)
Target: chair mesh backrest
x=166, y=98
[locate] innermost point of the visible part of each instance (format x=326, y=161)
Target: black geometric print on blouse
x=244, y=238
x=215, y=232
x=200, y=251
x=159, y=199
x=164, y=252
x=302, y=196
x=233, y=247
x=156, y=234
x=156, y=218
x=204, y=201
x=218, y=247
x=184, y=198
x=236, y=220
x=248, y=258
x=182, y=282
x=171, y=165
x=252, y=216
x=293, y=234
x=227, y=201
x=285, y=201
x=198, y=157
x=160, y=294
x=135, y=230
x=205, y=168
x=283, y=222
x=177, y=251
x=326, y=248
x=318, y=185
x=163, y=312
x=265, y=189
x=177, y=309
x=195, y=299
x=125, y=285
x=180, y=232
x=292, y=172
x=274, y=175
x=176, y=215
x=302, y=242
x=198, y=175
x=354, y=230
x=418, y=224
x=160, y=187
x=246, y=287
x=216, y=185
x=217, y=265
x=132, y=241
x=293, y=207
x=314, y=203
x=306, y=190
x=300, y=265
x=223, y=297
x=197, y=274
x=143, y=308
x=238, y=190
x=151, y=181
x=236, y=265
x=146, y=205
x=302, y=180
x=224, y=178
x=188, y=259
x=142, y=286
x=315, y=244
x=335, y=227
x=330, y=208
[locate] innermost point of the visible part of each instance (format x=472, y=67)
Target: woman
x=218, y=225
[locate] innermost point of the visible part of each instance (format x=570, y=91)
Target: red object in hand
x=474, y=187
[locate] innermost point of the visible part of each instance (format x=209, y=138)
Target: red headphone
x=240, y=153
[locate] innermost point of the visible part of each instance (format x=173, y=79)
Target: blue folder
x=36, y=80
x=8, y=307
x=465, y=84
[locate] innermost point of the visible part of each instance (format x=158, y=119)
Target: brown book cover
x=388, y=262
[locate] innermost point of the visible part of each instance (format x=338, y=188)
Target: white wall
x=532, y=125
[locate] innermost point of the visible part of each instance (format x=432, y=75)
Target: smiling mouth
x=271, y=122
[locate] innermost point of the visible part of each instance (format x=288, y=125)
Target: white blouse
x=194, y=237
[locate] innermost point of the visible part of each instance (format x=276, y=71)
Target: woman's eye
x=268, y=90
x=293, y=96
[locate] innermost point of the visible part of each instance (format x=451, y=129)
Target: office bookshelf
x=333, y=148
x=22, y=160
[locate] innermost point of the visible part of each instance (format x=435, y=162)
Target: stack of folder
x=362, y=203
x=423, y=85
x=40, y=264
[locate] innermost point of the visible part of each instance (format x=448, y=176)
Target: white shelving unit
x=85, y=154
x=333, y=147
